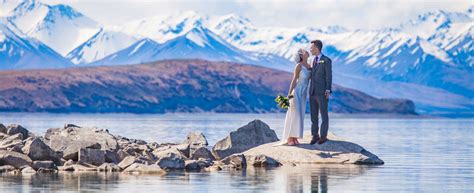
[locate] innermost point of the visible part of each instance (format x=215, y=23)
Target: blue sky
x=366, y=14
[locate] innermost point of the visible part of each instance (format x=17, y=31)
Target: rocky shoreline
x=82, y=149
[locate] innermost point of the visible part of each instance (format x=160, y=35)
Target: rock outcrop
x=15, y=129
x=36, y=149
x=334, y=151
x=92, y=156
x=15, y=159
x=251, y=135
x=71, y=139
x=12, y=142
x=171, y=161
x=82, y=149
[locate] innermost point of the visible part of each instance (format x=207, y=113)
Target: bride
x=297, y=94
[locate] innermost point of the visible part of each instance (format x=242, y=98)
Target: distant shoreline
x=332, y=115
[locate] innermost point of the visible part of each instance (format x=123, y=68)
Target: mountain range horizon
x=432, y=54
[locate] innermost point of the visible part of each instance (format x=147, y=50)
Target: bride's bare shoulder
x=298, y=67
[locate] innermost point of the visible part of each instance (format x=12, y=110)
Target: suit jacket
x=321, y=76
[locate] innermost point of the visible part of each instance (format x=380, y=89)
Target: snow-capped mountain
x=58, y=26
x=164, y=28
x=197, y=43
x=428, y=24
x=102, y=44
x=450, y=31
x=233, y=27
x=139, y=52
x=430, y=50
x=461, y=48
x=20, y=52
x=6, y=6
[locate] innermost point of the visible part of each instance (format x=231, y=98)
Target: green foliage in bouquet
x=282, y=102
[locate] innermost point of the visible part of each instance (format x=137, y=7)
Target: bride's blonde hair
x=299, y=55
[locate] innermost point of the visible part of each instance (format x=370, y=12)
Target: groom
x=319, y=91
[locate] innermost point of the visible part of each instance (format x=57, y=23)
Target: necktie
x=315, y=62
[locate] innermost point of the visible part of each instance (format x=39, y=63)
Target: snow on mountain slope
x=425, y=25
x=58, y=26
x=198, y=43
x=163, y=28
x=233, y=27
x=139, y=52
x=6, y=6
x=462, y=47
x=100, y=45
x=20, y=52
x=445, y=30
x=431, y=50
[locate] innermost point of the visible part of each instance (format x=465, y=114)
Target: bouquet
x=283, y=102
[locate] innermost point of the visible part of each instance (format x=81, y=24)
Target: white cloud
x=296, y=13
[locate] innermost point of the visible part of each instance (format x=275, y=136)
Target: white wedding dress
x=294, y=121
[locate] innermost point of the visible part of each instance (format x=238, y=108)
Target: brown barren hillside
x=168, y=86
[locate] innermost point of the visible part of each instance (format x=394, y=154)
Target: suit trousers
x=319, y=104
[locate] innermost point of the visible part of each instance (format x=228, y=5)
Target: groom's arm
x=328, y=69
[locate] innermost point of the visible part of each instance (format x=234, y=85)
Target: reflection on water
x=421, y=155
x=291, y=179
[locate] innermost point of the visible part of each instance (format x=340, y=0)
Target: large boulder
x=36, y=149
x=181, y=150
x=71, y=139
x=196, y=138
x=171, y=161
x=127, y=161
x=236, y=161
x=202, y=152
x=333, y=151
x=197, y=165
x=251, y=135
x=112, y=157
x=14, y=159
x=12, y=141
x=92, y=156
x=15, y=129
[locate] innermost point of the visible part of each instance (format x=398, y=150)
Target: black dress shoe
x=322, y=140
x=314, y=140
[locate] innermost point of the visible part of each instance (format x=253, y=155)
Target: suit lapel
x=314, y=66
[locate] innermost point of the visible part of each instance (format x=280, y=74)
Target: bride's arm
x=295, y=78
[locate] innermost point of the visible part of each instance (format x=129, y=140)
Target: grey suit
x=321, y=80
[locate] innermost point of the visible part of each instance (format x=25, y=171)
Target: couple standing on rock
x=318, y=75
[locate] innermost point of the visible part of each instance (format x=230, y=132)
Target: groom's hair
x=318, y=44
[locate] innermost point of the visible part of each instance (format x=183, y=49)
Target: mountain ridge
x=168, y=86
